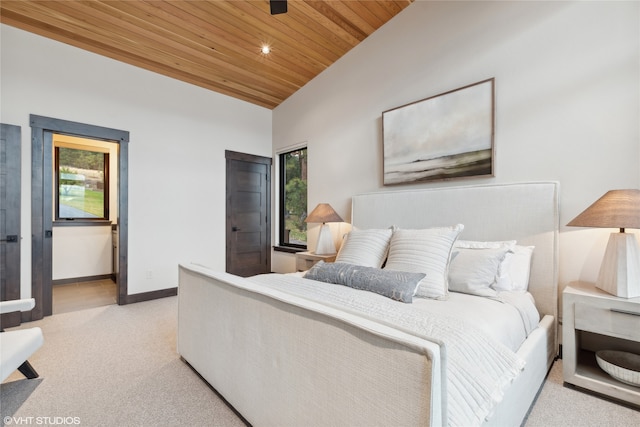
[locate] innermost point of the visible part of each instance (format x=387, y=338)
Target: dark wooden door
x=248, y=214
x=10, y=148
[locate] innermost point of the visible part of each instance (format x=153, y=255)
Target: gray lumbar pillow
x=397, y=285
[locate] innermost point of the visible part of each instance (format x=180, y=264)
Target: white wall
x=178, y=135
x=81, y=252
x=567, y=102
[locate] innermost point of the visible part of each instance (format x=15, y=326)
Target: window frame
x=106, y=180
x=282, y=245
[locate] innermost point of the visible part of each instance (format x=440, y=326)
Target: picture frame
x=446, y=136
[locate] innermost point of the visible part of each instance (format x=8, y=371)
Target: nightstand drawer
x=306, y=260
x=303, y=264
x=621, y=323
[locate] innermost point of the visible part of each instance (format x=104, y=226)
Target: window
x=82, y=184
x=293, y=198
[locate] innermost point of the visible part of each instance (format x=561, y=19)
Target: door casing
x=42, y=130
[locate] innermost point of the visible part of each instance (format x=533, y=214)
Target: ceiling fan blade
x=278, y=6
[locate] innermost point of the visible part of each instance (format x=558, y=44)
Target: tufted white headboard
x=526, y=212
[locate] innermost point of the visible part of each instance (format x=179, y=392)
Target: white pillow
x=514, y=272
x=367, y=248
x=424, y=251
x=472, y=244
x=474, y=270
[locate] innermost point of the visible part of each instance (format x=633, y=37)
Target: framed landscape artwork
x=446, y=136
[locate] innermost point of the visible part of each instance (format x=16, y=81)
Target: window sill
x=288, y=249
x=81, y=223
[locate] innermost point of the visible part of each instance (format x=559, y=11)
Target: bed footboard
x=281, y=361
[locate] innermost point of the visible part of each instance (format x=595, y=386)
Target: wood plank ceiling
x=212, y=44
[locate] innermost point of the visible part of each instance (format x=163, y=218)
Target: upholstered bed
x=391, y=346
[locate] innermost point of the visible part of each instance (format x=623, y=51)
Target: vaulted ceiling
x=213, y=44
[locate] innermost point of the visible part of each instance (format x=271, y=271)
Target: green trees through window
x=293, y=198
x=82, y=190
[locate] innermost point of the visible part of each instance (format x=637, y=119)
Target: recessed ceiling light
x=265, y=49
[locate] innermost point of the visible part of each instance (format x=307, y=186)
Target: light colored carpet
x=114, y=366
x=559, y=406
x=118, y=366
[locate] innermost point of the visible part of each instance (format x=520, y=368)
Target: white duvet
x=480, y=335
x=509, y=321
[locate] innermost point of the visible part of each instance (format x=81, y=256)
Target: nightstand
x=595, y=320
x=306, y=260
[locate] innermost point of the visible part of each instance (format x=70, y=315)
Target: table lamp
x=620, y=269
x=324, y=213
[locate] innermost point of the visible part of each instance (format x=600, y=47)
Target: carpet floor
x=118, y=366
x=113, y=366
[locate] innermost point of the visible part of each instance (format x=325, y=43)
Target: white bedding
x=508, y=320
x=480, y=355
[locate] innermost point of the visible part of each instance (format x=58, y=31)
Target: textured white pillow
x=514, y=272
x=367, y=248
x=424, y=251
x=472, y=244
x=474, y=270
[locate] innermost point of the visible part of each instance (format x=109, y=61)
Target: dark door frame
x=42, y=130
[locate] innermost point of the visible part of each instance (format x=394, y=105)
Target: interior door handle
x=234, y=228
x=13, y=238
